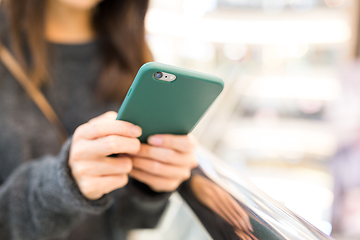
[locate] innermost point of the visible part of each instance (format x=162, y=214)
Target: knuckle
x=71, y=163
x=173, y=185
x=168, y=140
x=159, y=186
x=169, y=155
x=78, y=170
x=111, y=144
x=186, y=142
x=145, y=149
x=137, y=145
x=109, y=113
x=169, y=186
x=187, y=174
x=91, y=120
x=128, y=166
x=155, y=188
x=87, y=190
x=126, y=128
x=96, y=127
x=123, y=180
x=78, y=132
x=75, y=153
x=83, y=186
x=187, y=146
x=155, y=167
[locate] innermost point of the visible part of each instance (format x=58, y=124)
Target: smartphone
x=164, y=99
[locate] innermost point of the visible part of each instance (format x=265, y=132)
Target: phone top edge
x=155, y=66
x=151, y=66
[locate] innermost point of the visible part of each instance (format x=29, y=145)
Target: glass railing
x=226, y=205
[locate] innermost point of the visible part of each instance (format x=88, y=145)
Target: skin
x=163, y=164
x=69, y=21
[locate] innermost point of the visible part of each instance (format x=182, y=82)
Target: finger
x=223, y=204
x=166, y=155
x=160, y=169
x=158, y=184
x=214, y=202
x=106, y=127
x=215, y=208
x=95, y=187
x=111, y=115
x=252, y=236
x=223, y=208
x=242, y=235
x=240, y=211
x=109, y=166
x=225, y=199
x=220, y=211
x=101, y=147
x=181, y=143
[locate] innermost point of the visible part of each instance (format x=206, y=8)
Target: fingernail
x=154, y=140
x=136, y=130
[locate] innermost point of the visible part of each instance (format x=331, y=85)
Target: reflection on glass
x=218, y=203
x=222, y=203
x=230, y=207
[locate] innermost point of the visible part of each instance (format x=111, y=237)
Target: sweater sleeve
x=144, y=208
x=137, y=206
x=40, y=200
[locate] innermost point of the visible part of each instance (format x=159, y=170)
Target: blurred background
x=289, y=115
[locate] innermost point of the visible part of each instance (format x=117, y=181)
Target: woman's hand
x=94, y=171
x=165, y=162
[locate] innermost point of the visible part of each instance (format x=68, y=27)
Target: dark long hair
x=119, y=25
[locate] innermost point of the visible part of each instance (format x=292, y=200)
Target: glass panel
x=220, y=203
x=231, y=207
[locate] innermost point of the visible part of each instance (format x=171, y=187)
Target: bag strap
x=34, y=92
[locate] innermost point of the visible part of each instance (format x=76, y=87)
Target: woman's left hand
x=165, y=162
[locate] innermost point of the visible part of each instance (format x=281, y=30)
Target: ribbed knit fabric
x=38, y=197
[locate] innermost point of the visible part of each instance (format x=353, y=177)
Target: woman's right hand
x=94, y=171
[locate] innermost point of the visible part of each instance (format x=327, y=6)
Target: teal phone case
x=160, y=107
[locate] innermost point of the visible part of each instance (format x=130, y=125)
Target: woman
x=83, y=56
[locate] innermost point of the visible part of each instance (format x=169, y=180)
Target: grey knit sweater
x=39, y=199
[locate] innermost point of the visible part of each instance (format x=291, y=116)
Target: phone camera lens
x=158, y=75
